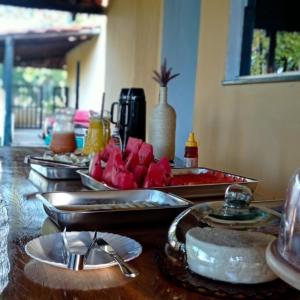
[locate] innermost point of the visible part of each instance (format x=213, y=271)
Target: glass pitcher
x=63, y=136
x=98, y=135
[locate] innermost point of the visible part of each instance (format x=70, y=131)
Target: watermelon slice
x=133, y=145
x=132, y=161
x=154, y=177
x=123, y=179
x=105, y=153
x=159, y=174
x=114, y=161
x=139, y=174
x=95, y=168
x=165, y=164
x=146, y=154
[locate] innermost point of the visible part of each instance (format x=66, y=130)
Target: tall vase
x=163, y=127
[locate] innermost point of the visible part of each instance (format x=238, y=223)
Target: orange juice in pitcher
x=97, y=135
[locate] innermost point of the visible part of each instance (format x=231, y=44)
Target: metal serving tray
x=44, y=185
x=57, y=173
x=53, y=169
x=96, y=210
x=185, y=191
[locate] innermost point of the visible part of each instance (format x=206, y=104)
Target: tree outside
x=47, y=79
x=26, y=79
x=287, y=52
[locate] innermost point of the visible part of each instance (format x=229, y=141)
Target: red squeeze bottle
x=191, y=152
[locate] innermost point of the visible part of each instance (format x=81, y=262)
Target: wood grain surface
x=29, y=279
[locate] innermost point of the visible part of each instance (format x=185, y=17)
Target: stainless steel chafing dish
x=94, y=210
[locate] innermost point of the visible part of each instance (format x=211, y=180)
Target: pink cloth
x=82, y=117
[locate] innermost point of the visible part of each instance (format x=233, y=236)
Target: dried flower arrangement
x=165, y=75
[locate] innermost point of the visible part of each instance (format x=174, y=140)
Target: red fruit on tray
x=165, y=164
x=105, y=153
x=138, y=169
x=139, y=174
x=133, y=145
x=123, y=179
x=95, y=169
x=155, y=176
x=131, y=161
x=146, y=154
x=114, y=161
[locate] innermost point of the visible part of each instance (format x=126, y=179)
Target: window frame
x=234, y=52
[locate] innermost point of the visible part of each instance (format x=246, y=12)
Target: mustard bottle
x=191, y=152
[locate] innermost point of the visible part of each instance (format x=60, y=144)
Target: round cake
x=229, y=255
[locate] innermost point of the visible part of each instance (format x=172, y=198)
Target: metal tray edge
x=193, y=191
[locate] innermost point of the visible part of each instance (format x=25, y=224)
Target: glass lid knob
x=236, y=205
x=238, y=196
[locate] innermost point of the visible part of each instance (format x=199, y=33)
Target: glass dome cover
x=289, y=234
x=235, y=213
x=226, y=240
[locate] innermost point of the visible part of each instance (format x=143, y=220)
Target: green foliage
x=39, y=77
x=287, y=53
x=260, y=47
x=47, y=79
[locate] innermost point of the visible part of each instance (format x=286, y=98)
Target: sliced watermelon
x=132, y=161
x=146, y=154
x=95, y=169
x=114, y=161
x=159, y=174
x=165, y=164
x=105, y=153
x=139, y=174
x=154, y=177
x=123, y=179
x=133, y=145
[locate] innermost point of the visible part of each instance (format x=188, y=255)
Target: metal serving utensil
x=73, y=260
x=124, y=267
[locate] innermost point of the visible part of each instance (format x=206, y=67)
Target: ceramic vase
x=163, y=127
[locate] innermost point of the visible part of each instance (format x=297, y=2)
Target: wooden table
x=29, y=279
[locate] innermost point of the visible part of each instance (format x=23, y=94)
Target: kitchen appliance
x=131, y=114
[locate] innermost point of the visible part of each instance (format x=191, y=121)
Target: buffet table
x=29, y=279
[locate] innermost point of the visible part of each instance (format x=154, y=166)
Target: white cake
x=229, y=255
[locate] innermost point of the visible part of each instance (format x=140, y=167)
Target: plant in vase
x=163, y=118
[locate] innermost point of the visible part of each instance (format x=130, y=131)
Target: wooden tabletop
x=29, y=279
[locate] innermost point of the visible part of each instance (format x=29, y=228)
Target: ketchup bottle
x=191, y=152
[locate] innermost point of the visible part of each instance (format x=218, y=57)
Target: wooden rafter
x=75, y=6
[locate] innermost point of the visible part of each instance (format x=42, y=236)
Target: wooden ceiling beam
x=77, y=6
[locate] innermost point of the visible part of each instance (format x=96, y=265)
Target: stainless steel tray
x=92, y=210
x=57, y=173
x=53, y=169
x=44, y=185
x=185, y=191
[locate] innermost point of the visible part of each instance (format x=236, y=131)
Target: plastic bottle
x=191, y=152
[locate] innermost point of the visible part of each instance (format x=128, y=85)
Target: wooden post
x=8, y=86
x=77, y=84
x=272, y=47
x=249, y=21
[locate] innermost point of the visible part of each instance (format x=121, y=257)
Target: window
x=265, y=36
